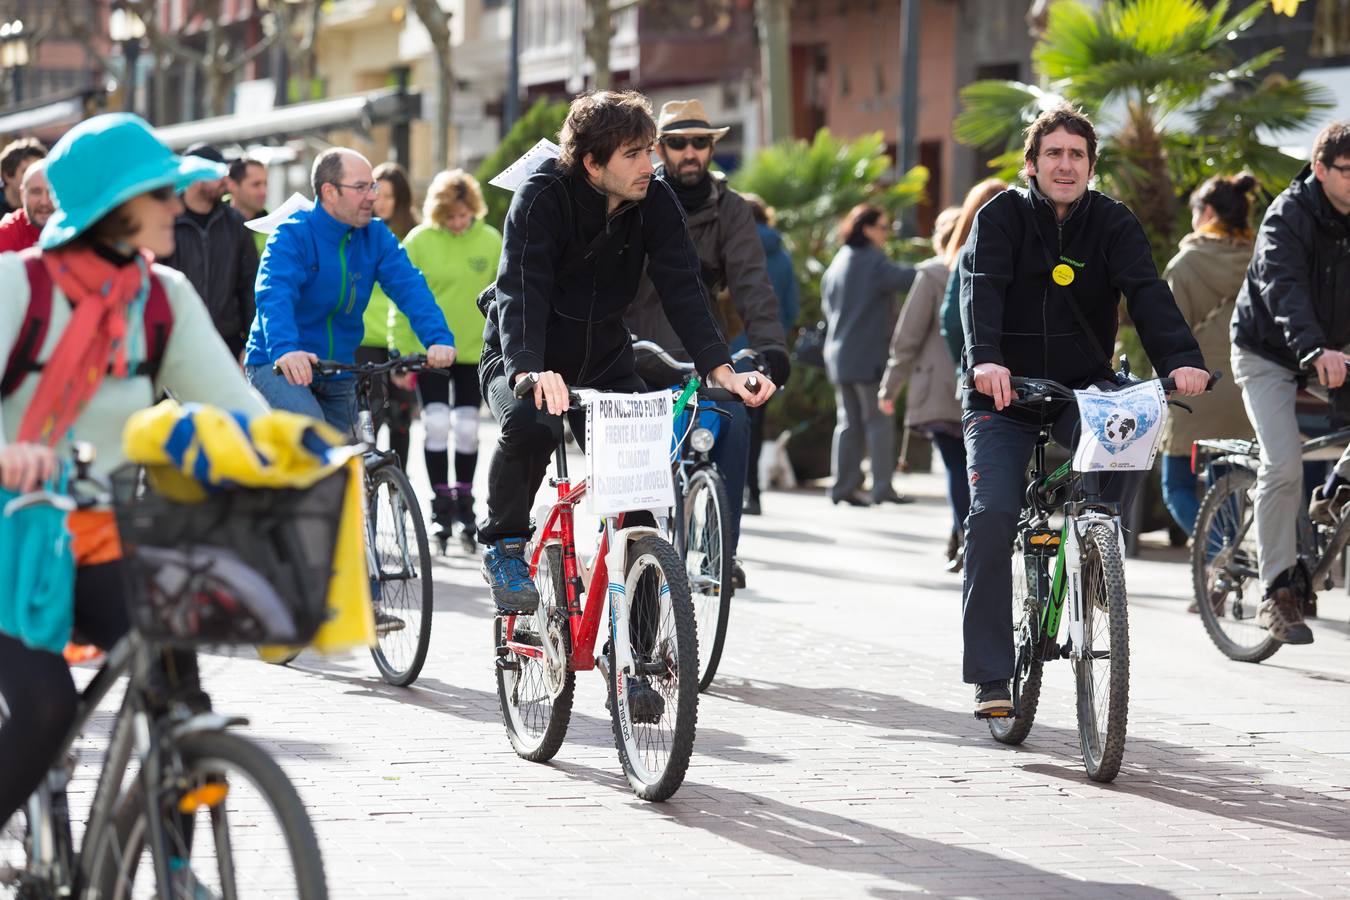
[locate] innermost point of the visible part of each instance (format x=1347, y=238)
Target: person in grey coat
x=858, y=295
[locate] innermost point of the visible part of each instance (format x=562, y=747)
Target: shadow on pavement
x=482, y=707
x=1163, y=772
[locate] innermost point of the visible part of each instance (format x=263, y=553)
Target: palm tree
x=1172, y=104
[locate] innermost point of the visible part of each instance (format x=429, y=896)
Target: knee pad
x=436, y=421
x=465, y=422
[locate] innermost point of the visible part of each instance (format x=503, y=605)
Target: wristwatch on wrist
x=1312, y=357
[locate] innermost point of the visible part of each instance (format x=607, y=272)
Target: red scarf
x=99, y=293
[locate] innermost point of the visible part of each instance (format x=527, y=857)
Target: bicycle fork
x=1068, y=579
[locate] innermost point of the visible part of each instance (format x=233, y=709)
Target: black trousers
x=528, y=439
x=38, y=692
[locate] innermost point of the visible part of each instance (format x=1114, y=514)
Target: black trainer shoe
x=993, y=699
x=507, y=572
x=645, y=703
x=386, y=623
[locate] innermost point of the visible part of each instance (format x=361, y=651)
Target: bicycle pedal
x=995, y=714
x=508, y=665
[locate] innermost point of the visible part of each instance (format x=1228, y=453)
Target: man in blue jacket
x=313, y=285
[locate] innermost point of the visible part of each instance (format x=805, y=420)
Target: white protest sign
x=514, y=175
x=628, y=452
x=1120, y=429
x=294, y=203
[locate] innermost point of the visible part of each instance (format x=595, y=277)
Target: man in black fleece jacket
x=577, y=237
x=1031, y=257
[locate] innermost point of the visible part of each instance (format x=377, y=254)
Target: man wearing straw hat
x=731, y=258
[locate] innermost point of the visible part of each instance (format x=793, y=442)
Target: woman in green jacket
x=391, y=404
x=458, y=253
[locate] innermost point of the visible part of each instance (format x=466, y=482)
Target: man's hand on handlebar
x=994, y=380
x=440, y=356
x=24, y=467
x=550, y=391
x=1330, y=367
x=1191, y=382
x=753, y=388
x=298, y=367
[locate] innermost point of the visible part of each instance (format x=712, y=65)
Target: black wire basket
x=245, y=566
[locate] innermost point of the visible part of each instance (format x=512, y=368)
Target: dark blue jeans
x=731, y=453
x=998, y=449
x=332, y=400
x=953, y=452
x=1178, y=490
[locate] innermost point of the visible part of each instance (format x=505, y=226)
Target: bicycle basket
x=245, y=566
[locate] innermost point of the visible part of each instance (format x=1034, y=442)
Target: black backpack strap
x=23, y=356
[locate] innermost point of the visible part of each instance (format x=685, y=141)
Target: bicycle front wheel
x=654, y=707
x=1102, y=671
x=401, y=587
x=233, y=823
x=707, y=559
x=1224, y=569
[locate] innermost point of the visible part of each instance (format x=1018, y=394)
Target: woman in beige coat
x=919, y=355
x=1205, y=277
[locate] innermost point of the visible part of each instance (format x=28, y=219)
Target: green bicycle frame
x=1053, y=611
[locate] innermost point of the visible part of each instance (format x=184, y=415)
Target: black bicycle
x=1224, y=571
x=208, y=813
x=398, y=553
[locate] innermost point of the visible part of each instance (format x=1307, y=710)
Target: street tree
x=1172, y=103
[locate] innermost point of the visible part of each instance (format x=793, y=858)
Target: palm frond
x=996, y=112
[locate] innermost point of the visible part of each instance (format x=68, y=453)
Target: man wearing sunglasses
x=313, y=285
x=1292, y=324
x=731, y=259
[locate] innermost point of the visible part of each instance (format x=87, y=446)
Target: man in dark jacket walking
x=578, y=235
x=217, y=254
x=1292, y=317
x=1032, y=257
x=730, y=256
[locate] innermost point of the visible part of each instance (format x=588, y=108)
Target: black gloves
x=779, y=366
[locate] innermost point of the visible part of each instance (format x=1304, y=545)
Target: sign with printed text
x=1120, y=429
x=514, y=175
x=628, y=452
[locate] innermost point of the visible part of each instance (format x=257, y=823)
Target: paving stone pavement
x=836, y=755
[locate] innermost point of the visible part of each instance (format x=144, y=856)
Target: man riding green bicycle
x=1040, y=277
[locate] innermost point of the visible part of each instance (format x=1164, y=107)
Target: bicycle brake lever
x=1180, y=405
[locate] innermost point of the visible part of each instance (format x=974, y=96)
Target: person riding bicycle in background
x=578, y=235
x=458, y=253
x=314, y=282
x=94, y=369
x=1038, y=261
x=730, y=256
x=1291, y=316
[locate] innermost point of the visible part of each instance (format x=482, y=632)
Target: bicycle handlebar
x=707, y=392
x=414, y=362
x=1041, y=389
x=660, y=353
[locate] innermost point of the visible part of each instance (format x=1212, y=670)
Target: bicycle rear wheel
x=1027, y=640
x=1224, y=570
x=401, y=590
x=1102, y=671
x=706, y=529
x=536, y=695
x=248, y=834
x=654, y=709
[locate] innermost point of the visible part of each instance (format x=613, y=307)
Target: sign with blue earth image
x=1120, y=429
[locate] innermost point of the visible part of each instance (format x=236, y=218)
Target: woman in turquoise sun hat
x=92, y=330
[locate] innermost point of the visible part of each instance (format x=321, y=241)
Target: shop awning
x=297, y=119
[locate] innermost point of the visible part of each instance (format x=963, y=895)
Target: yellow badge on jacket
x=1063, y=275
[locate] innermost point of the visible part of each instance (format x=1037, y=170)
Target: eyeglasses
x=701, y=142
x=361, y=187
x=162, y=194
x=1342, y=168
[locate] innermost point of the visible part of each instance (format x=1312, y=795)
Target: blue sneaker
x=507, y=572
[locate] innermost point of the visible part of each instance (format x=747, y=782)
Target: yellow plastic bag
x=351, y=620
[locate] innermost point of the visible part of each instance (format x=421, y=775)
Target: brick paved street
x=836, y=755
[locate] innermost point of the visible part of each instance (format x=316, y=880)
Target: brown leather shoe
x=1282, y=616
x=1325, y=511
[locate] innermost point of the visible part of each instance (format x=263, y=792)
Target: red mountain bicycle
x=650, y=655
